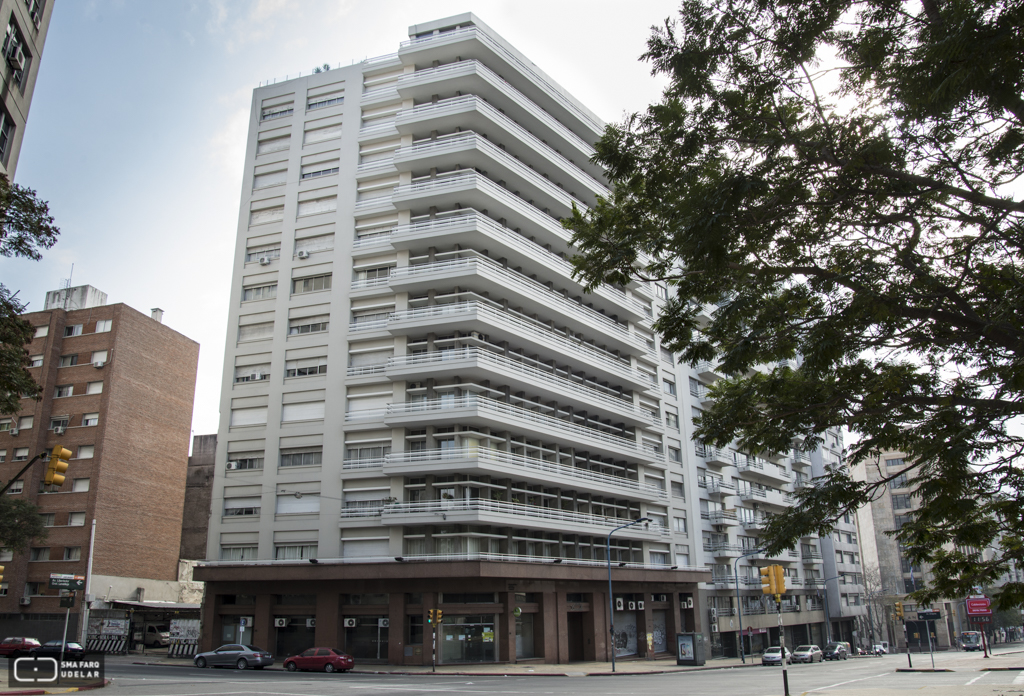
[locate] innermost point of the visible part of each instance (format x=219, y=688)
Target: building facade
x=117, y=391
x=484, y=424
x=25, y=24
x=195, y=521
x=895, y=575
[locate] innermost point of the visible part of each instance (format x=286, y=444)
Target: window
x=259, y=292
x=257, y=253
x=242, y=507
x=76, y=519
x=901, y=501
x=68, y=360
x=72, y=553
x=20, y=454
x=98, y=356
x=899, y=482
x=86, y=451
x=26, y=422
x=91, y=419
x=33, y=589
x=60, y=422
x=94, y=388
x=63, y=390
x=14, y=42
x=661, y=291
x=3, y=589
x=683, y=554
x=238, y=553
x=311, y=284
x=48, y=518
x=295, y=553
x=104, y=325
x=323, y=103
x=899, y=520
x=80, y=485
x=42, y=331
x=252, y=373
x=6, y=555
x=894, y=462
x=320, y=172
x=677, y=489
x=368, y=317
x=16, y=487
x=659, y=558
x=298, y=504
x=672, y=420
x=668, y=386
x=39, y=553
x=379, y=273
x=73, y=330
x=35, y=361
x=308, y=325
x=679, y=524
x=309, y=457
x=245, y=461
x=305, y=367
x=674, y=454
x=5, y=425
x=276, y=112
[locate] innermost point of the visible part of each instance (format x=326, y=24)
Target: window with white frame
x=266, y=251
x=295, y=552
x=668, y=386
x=242, y=507
x=252, y=373
x=679, y=524
x=259, y=292
x=94, y=387
x=98, y=356
x=33, y=589
x=6, y=555
x=35, y=361
x=39, y=553
x=76, y=519
x=68, y=360
x=298, y=503
x=3, y=455
x=80, y=485
x=20, y=454
x=238, y=553
x=72, y=330
x=91, y=419
x=59, y=423
x=306, y=456
x=62, y=390
x=72, y=553
x=104, y=325
x=245, y=461
x=48, y=518
x=26, y=422
x=683, y=554
x=5, y=425
x=308, y=325
x=301, y=286
x=86, y=451
x=16, y=487
x=42, y=331
x=306, y=367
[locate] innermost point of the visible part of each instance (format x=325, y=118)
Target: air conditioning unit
x=16, y=58
x=280, y=622
x=59, y=430
x=632, y=606
x=640, y=605
x=303, y=254
x=232, y=466
x=264, y=260
x=310, y=623
x=618, y=604
x=475, y=334
x=714, y=628
x=350, y=623
x=256, y=376
x=14, y=431
x=415, y=385
x=713, y=613
x=25, y=601
x=98, y=364
x=383, y=623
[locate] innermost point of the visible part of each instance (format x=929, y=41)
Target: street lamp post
x=611, y=599
x=739, y=606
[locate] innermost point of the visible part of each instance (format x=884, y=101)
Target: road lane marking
x=982, y=676
x=851, y=681
x=1019, y=679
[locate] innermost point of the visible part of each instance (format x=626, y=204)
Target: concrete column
x=210, y=623
x=396, y=628
x=563, y=627
x=328, y=618
x=262, y=634
x=507, y=630
x=548, y=634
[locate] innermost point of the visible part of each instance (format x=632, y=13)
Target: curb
x=923, y=669
x=39, y=692
x=1002, y=669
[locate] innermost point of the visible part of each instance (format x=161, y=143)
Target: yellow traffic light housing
x=767, y=580
x=57, y=465
x=780, y=578
x=440, y=616
x=899, y=611
x=430, y=616
x=1, y=573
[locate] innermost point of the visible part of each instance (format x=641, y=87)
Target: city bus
x=971, y=640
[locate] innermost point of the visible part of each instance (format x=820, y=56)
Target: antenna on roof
x=65, y=285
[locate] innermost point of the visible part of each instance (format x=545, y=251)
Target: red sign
x=979, y=607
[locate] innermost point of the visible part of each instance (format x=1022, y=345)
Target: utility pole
x=782, y=643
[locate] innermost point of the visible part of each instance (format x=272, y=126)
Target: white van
x=157, y=636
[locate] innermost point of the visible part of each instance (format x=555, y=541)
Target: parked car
x=836, y=651
x=17, y=646
x=234, y=655
x=157, y=636
x=52, y=648
x=807, y=653
x=326, y=659
x=880, y=648
x=773, y=656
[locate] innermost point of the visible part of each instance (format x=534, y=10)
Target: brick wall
x=198, y=494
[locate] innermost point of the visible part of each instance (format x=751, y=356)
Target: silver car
x=773, y=656
x=234, y=655
x=807, y=653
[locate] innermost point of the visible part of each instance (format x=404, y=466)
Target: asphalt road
x=147, y=680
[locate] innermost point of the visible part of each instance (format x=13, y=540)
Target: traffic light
x=899, y=611
x=1, y=573
x=440, y=616
x=430, y=616
x=57, y=465
x=768, y=580
x=780, y=578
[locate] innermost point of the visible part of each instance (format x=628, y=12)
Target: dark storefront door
x=368, y=639
x=575, y=636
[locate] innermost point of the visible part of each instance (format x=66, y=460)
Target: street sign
x=61, y=581
x=928, y=616
x=980, y=619
x=979, y=606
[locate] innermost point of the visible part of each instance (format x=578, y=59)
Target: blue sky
x=136, y=134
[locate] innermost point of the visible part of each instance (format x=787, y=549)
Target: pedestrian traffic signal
x=57, y=465
x=768, y=580
x=899, y=611
x=780, y=578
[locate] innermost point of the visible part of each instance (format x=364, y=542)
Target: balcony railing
x=719, y=516
x=551, y=90
x=514, y=367
x=499, y=507
x=526, y=465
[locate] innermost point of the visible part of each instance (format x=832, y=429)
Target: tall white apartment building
x=421, y=408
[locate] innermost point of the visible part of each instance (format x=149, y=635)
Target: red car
x=17, y=647
x=326, y=659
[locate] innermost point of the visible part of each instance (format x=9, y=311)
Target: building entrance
x=574, y=624
x=467, y=639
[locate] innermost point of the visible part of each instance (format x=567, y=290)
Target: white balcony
x=724, y=517
x=718, y=487
x=519, y=331
x=753, y=523
x=475, y=231
x=476, y=78
x=499, y=464
x=475, y=365
x=482, y=411
x=473, y=43
x=713, y=456
x=486, y=276
x=479, y=511
x=811, y=557
x=470, y=112
x=724, y=550
x=467, y=149
x=378, y=131
x=760, y=470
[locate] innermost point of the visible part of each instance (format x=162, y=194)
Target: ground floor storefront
x=492, y=611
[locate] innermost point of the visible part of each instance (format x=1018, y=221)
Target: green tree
x=26, y=228
x=20, y=523
x=837, y=179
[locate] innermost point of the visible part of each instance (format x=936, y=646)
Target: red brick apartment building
x=117, y=391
